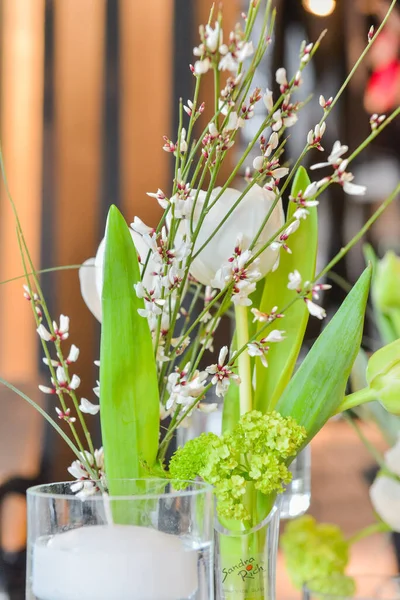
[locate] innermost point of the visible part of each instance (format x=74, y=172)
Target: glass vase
x=148, y=541
x=361, y=587
x=245, y=561
x=296, y=498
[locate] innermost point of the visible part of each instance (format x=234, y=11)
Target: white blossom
x=201, y=67
x=301, y=213
x=46, y=390
x=183, y=146
x=222, y=374
x=281, y=77
x=315, y=310
x=160, y=197
x=85, y=486
x=295, y=281
x=73, y=355
x=87, y=407
x=184, y=390
x=213, y=37
x=141, y=227
x=268, y=100
x=282, y=239
x=44, y=334
x=340, y=175
x=74, y=383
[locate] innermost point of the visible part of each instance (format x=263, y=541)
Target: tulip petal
x=244, y=221
x=385, y=498
x=87, y=279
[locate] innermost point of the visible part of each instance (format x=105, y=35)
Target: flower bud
x=383, y=376
x=386, y=287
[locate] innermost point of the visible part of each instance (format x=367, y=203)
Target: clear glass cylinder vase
x=245, y=561
x=147, y=541
x=296, y=498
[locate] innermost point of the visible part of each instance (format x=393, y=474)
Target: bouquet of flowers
x=160, y=294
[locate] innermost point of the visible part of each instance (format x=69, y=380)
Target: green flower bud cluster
x=256, y=451
x=315, y=550
x=335, y=586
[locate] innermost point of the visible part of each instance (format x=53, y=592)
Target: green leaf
x=318, y=387
x=282, y=357
x=129, y=397
x=231, y=408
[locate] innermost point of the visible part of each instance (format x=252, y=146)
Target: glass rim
x=47, y=490
x=378, y=577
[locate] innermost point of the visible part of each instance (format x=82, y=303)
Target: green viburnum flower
x=335, y=586
x=256, y=451
x=314, y=550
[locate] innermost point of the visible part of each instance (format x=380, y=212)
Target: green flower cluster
x=256, y=450
x=315, y=550
x=335, y=586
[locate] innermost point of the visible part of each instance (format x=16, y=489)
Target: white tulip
x=385, y=491
x=91, y=274
x=244, y=221
x=385, y=498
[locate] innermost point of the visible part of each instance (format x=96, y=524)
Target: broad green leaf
x=129, y=397
x=282, y=356
x=318, y=387
x=231, y=408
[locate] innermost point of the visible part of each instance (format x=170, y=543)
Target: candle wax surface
x=114, y=562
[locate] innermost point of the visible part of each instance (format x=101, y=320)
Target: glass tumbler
x=147, y=540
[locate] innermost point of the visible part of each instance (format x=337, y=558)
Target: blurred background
x=87, y=90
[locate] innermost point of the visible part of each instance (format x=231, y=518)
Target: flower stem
x=356, y=399
x=244, y=364
x=367, y=531
x=370, y=447
x=360, y=234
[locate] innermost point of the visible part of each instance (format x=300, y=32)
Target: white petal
x=88, y=408
x=268, y=100
x=258, y=163
x=90, y=295
x=315, y=310
x=275, y=336
x=140, y=227
x=45, y=389
x=43, y=333
x=281, y=77
x=353, y=189
x=222, y=355
x=385, y=497
x=75, y=382
x=320, y=166
x=73, y=354
x=60, y=373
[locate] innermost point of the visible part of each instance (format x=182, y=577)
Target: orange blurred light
x=320, y=8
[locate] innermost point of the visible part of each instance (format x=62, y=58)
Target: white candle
x=114, y=562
